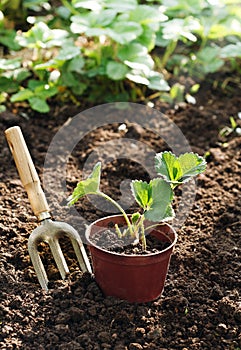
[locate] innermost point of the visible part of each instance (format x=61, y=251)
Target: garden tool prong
x=49, y=231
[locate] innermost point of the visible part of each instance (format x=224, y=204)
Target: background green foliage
x=111, y=50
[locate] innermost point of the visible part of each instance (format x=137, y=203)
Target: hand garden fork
x=49, y=231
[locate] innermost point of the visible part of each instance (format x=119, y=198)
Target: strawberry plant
x=154, y=197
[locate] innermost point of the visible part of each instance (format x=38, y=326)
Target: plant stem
x=118, y=231
x=169, y=50
x=143, y=237
x=112, y=201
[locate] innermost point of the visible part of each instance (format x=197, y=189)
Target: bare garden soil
x=200, y=308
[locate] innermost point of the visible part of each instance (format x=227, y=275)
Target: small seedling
x=228, y=130
x=154, y=197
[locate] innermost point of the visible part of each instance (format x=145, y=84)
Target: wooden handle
x=26, y=170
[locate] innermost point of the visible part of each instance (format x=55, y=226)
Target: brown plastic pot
x=135, y=278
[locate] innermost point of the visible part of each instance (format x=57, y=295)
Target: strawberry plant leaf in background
x=124, y=33
x=208, y=59
x=147, y=15
x=186, y=7
x=82, y=43
x=137, y=77
x=144, y=63
x=116, y=70
x=38, y=104
x=68, y=51
x=147, y=38
x=157, y=82
x=106, y=17
x=176, y=28
x=20, y=74
x=76, y=64
x=36, y=94
x=87, y=4
x=22, y=95
x=231, y=50
x=69, y=79
x=121, y=6
x=177, y=170
x=88, y=186
x=41, y=36
x=7, y=38
x=131, y=51
x=8, y=85
x=10, y=64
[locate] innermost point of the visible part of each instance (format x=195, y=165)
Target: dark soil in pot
x=109, y=240
x=200, y=307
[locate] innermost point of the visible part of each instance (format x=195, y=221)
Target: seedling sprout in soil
x=154, y=197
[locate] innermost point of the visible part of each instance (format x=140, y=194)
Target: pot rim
x=87, y=234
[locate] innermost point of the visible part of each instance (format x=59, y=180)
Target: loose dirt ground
x=200, y=308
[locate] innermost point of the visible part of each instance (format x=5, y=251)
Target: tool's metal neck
x=43, y=216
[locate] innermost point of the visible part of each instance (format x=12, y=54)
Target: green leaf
x=167, y=166
x=68, y=52
x=137, y=77
x=81, y=23
x=8, y=85
x=76, y=64
x=233, y=123
x=142, y=192
x=121, y=6
x=45, y=91
x=7, y=38
x=154, y=197
x=176, y=28
x=2, y=108
x=191, y=165
x=22, y=95
x=131, y=51
x=177, y=170
x=209, y=59
x=106, y=17
x=116, y=70
x=147, y=15
x=88, y=186
x=86, y=4
x=161, y=198
x=3, y=98
x=7, y=64
x=38, y=104
x=124, y=33
x=97, y=32
x=231, y=50
x=49, y=65
x=147, y=38
x=79, y=88
x=177, y=92
x=143, y=63
x=135, y=217
x=21, y=74
x=157, y=82
x=34, y=84
x=41, y=36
